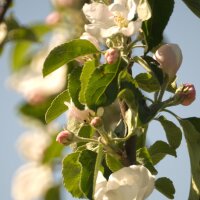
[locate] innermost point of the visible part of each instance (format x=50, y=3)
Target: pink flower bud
x=53, y=18
x=96, y=122
x=65, y=137
x=170, y=58
x=111, y=55
x=186, y=94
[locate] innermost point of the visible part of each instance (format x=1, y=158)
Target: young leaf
x=194, y=6
x=71, y=174
x=57, y=106
x=74, y=86
x=173, y=132
x=87, y=71
x=53, y=151
x=158, y=151
x=113, y=163
x=166, y=187
x=87, y=160
x=191, y=128
x=154, y=27
x=147, y=82
x=67, y=52
x=103, y=87
x=144, y=158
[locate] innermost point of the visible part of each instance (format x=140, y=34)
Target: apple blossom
x=112, y=55
x=33, y=144
x=169, y=56
x=186, y=94
x=3, y=32
x=129, y=183
x=78, y=115
x=96, y=122
x=107, y=21
x=31, y=181
x=53, y=18
x=65, y=137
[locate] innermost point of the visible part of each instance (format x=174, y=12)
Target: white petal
x=144, y=10
x=105, y=33
x=97, y=12
x=133, y=28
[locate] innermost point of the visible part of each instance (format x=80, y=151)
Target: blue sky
x=183, y=29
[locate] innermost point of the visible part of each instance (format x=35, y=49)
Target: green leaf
x=191, y=128
x=154, y=27
x=166, y=187
x=22, y=33
x=194, y=6
x=87, y=71
x=144, y=158
x=40, y=29
x=71, y=174
x=103, y=87
x=57, y=106
x=54, y=150
x=53, y=193
x=173, y=132
x=147, y=82
x=20, y=57
x=74, y=86
x=158, y=151
x=113, y=163
x=35, y=111
x=67, y=52
x=87, y=160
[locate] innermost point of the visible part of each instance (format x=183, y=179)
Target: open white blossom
x=3, y=32
x=129, y=183
x=31, y=181
x=116, y=18
x=33, y=144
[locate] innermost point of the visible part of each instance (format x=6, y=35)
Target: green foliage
x=166, y=187
x=158, y=151
x=87, y=160
x=53, y=151
x=194, y=6
x=144, y=158
x=53, y=193
x=67, y=52
x=87, y=71
x=191, y=128
x=35, y=111
x=74, y=86
x=154, y=27
x=173, y=132
x=103, y=87
x=147, y=82
x=113, y=163
x=72, y=174
x=57, y=106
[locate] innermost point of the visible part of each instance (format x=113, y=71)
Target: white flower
x=33, y=144
x=129, y=183
x=31, y=181
x=116, y=18
x=93, y=40
x=3, y=32
x=170, y=58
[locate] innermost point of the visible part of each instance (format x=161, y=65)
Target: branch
x=4, y=5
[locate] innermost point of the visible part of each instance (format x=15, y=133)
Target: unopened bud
x=96, y=122
x=186, y=94
x=112, y=55
x=53, y=18
x=65, y=137
x=169, y=56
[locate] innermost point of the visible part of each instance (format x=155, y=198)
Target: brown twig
x=4, y=5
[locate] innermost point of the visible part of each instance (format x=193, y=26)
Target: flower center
x=120, y=21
